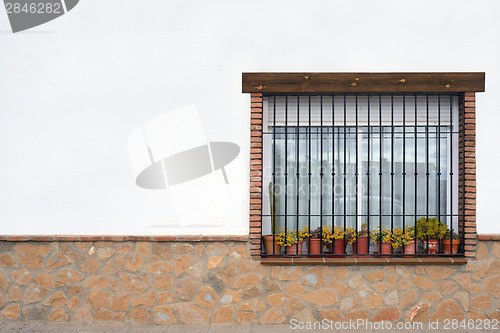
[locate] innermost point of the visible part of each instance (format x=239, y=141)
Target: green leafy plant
x=454, y=235
x=364, y=230
x=430, y=228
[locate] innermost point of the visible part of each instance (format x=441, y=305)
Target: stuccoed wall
x=218, y=282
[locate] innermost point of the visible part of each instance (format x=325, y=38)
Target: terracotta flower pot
x=339, y=246
x=410, y=248
x=432, y=246
x=327, y=248
x=270, y=246
x=294, y=250
x=361, y=246
x=455, y=243
x=384, y=248
x=314, y=246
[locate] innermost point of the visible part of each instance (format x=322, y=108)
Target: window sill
x=364, y=261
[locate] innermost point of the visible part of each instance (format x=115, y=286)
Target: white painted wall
x=72, y=91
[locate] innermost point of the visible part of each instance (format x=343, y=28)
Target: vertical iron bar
x=297, y=144
x=286, y=161
x=427, y=155
x=345, y=161
x=451, y=223
x=392, y=168
x=368, y=173
x=380, y=168
x=274, y=174
x=357, y=172
x=438, y=158
x=451, y=162
x=309, y=174
x=321, y=170
x=415, y=171
x=404, y=170
x=333, y=163
x=349, y=163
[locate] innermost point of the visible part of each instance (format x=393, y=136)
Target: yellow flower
x=401, y=237
x=290, y=237
x=378, y=235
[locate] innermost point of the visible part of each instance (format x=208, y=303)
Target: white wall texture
x=72, y=91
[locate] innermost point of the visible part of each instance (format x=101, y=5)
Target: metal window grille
x=342, y=160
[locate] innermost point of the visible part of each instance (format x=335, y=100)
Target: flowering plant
x=327, y=235
x=384, y=235
x=402, y=237
x=330, y=234
x=350, y=235
x=316, y=233
x=291, y=236
x=337, y=232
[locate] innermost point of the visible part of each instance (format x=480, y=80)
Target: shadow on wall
x=170, y=152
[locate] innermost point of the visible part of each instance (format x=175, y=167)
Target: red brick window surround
x=464, y=84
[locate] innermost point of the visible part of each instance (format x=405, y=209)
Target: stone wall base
x=219, y=283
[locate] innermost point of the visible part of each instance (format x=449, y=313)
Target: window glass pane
x=339, y=157
x=343, y=174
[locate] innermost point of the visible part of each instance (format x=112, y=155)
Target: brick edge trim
x=488, y=237
x=256, y=118
x=117, y=238
x=467, y=172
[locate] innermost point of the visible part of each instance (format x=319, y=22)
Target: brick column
x=255, y=174
x=467, y=171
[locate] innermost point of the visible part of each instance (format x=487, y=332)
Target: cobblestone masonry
x=218, y=282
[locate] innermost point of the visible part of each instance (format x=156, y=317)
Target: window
x=363, y=152
x=342, y=160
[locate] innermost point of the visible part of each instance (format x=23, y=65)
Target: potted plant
x=292, y=240
x=315, y=240
x=327, y=239
x=383, y=238
x=350, y=235
x=338, y=239
x=404, y=238
x=271, y=241
x=360, y=247
x=430, y=231
x=450, y=241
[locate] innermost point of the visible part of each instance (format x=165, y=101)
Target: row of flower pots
x=429, y=231
x=360, y=247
